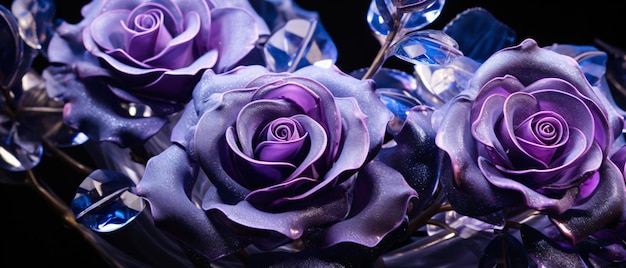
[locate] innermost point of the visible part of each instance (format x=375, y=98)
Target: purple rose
x=531, y=132
x=148, y=55
x=288, y=156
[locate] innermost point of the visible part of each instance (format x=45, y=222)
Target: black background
x=32, y=235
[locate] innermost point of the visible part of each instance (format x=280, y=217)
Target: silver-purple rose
x=149, y=54
x=288, y=156
x=531, y=132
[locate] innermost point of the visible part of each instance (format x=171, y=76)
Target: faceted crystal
x=20, y=148
x=105, y=201
x=429, y=47
x=297, y=44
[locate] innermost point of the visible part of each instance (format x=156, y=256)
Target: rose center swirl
x=280, y=140
x=542, y=128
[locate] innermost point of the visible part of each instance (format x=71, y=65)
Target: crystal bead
x=297, y=44
x=429, y=47
x=105, y=201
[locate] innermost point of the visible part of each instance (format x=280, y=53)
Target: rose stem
x=380, y=58
x=77, y=166
x=66, y=214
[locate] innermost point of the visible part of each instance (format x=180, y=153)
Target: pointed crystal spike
x=297, y=44
x=105, y=201
x=431, y=47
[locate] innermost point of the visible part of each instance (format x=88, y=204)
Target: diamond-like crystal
x=105, y=201
x=297, y=44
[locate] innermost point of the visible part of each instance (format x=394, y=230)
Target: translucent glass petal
x=105, y=201
x=34, y=19
x=395, y=89
x=413, y=5
x=11, y=48
x=380, y=20
x=299, y=43
x=479, y=34
x=21, y=148
x=45, y=115
x=379, y=16
x=439, y=83
x=429, y=47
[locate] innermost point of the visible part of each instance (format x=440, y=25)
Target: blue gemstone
x=105, y=201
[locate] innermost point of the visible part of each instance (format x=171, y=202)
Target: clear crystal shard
x=105, y=201
x=429, y=47
x=297, y=44
x=438, y=84
x=20, y=148
x=34, y=19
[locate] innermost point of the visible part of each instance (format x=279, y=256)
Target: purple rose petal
x=602, y=209
x=171, y=172
x=377, y=189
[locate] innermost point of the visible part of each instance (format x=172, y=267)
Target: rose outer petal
x=246, y=220
x=415, y=156
x=603, y=208
x=171, y=172
x=100, y=121
x=377, y=189
x=232, y=47
x=466, y=187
